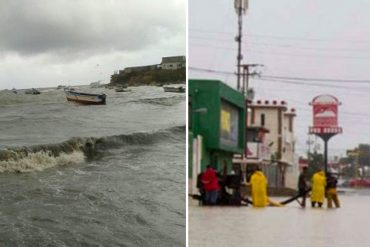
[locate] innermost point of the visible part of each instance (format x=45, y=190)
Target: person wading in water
x=331, y=191
x=318, y=188
x=303, y=186
x=210, y=185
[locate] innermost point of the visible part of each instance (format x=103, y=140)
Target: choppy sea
x=106, y=175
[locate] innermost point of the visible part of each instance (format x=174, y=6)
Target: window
x=253, y=136
x=229, y=124
x=291, y=124
x=262, y=119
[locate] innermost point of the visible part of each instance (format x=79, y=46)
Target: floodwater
x=289, y=226
x=126, y=188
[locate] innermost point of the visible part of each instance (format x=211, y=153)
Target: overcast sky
x=46, y=43
x=293, y=38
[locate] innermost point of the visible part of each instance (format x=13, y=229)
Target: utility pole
x=244, y=89
x=246, y=73
x=241, y=7
x=309, y=142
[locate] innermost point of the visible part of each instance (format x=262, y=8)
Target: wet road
x=283, y=226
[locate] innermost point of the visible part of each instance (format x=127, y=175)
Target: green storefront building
x=216, y=126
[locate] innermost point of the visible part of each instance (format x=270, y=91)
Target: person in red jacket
x=210, y=185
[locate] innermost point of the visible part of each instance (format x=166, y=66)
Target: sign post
x=325, y=121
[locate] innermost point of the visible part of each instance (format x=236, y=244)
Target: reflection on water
x=282, y=226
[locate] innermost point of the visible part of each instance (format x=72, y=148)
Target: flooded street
x=283, y=226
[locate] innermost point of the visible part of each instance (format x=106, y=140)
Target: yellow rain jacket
x=318, y=187
x=259, y=189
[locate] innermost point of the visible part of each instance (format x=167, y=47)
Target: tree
x=315, y=162
x=364, y=155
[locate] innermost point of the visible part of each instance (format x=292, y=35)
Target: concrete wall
x=172, y=66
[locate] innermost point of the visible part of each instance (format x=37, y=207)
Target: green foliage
x=364, y=154
x=316, y=161
x=349, y=171
x=357, y=158
x=276, y=156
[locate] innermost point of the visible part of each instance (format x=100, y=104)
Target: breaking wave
x=163, y=101
x=77, y=149
x=39, y=161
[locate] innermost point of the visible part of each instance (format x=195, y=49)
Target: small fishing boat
x=86, y=98
x=180, y=89
x=68, y=89
x=122, y=89
x=32, y=91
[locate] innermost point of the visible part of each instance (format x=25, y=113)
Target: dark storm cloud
x=32, y=27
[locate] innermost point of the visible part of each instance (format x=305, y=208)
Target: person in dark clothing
x=303, y=186
x=200, y=187
x=331, y=190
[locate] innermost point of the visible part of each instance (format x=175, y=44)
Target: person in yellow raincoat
x=258, y=184
x=318, y=188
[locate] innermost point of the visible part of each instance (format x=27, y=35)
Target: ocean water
x=107, y=175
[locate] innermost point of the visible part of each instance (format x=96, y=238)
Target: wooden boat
x=180, y=89
x=32, y=91
x=122, y=89
x=86, y=98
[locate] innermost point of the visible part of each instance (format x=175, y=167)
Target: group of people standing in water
x=321, y=185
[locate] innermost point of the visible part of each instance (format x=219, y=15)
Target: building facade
x=282, y=168
x=168, y=63
x=172, y=63
x=216, y=127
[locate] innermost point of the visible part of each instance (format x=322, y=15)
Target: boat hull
x=174, y=89
x=85, y=98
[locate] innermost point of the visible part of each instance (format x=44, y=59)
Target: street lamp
x=241, y=4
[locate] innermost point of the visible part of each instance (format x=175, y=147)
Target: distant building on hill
x=168, y=63
x=176, y=62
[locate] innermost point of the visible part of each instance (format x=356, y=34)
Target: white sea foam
x=39, y=161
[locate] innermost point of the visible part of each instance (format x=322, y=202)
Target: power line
x=362, y=93
x=212, y=71
x=262, y=78
x=293, y=80
x=303, y=109
x=281, y=53
x=281, y=37
x=316, y=79
x=290, y=46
